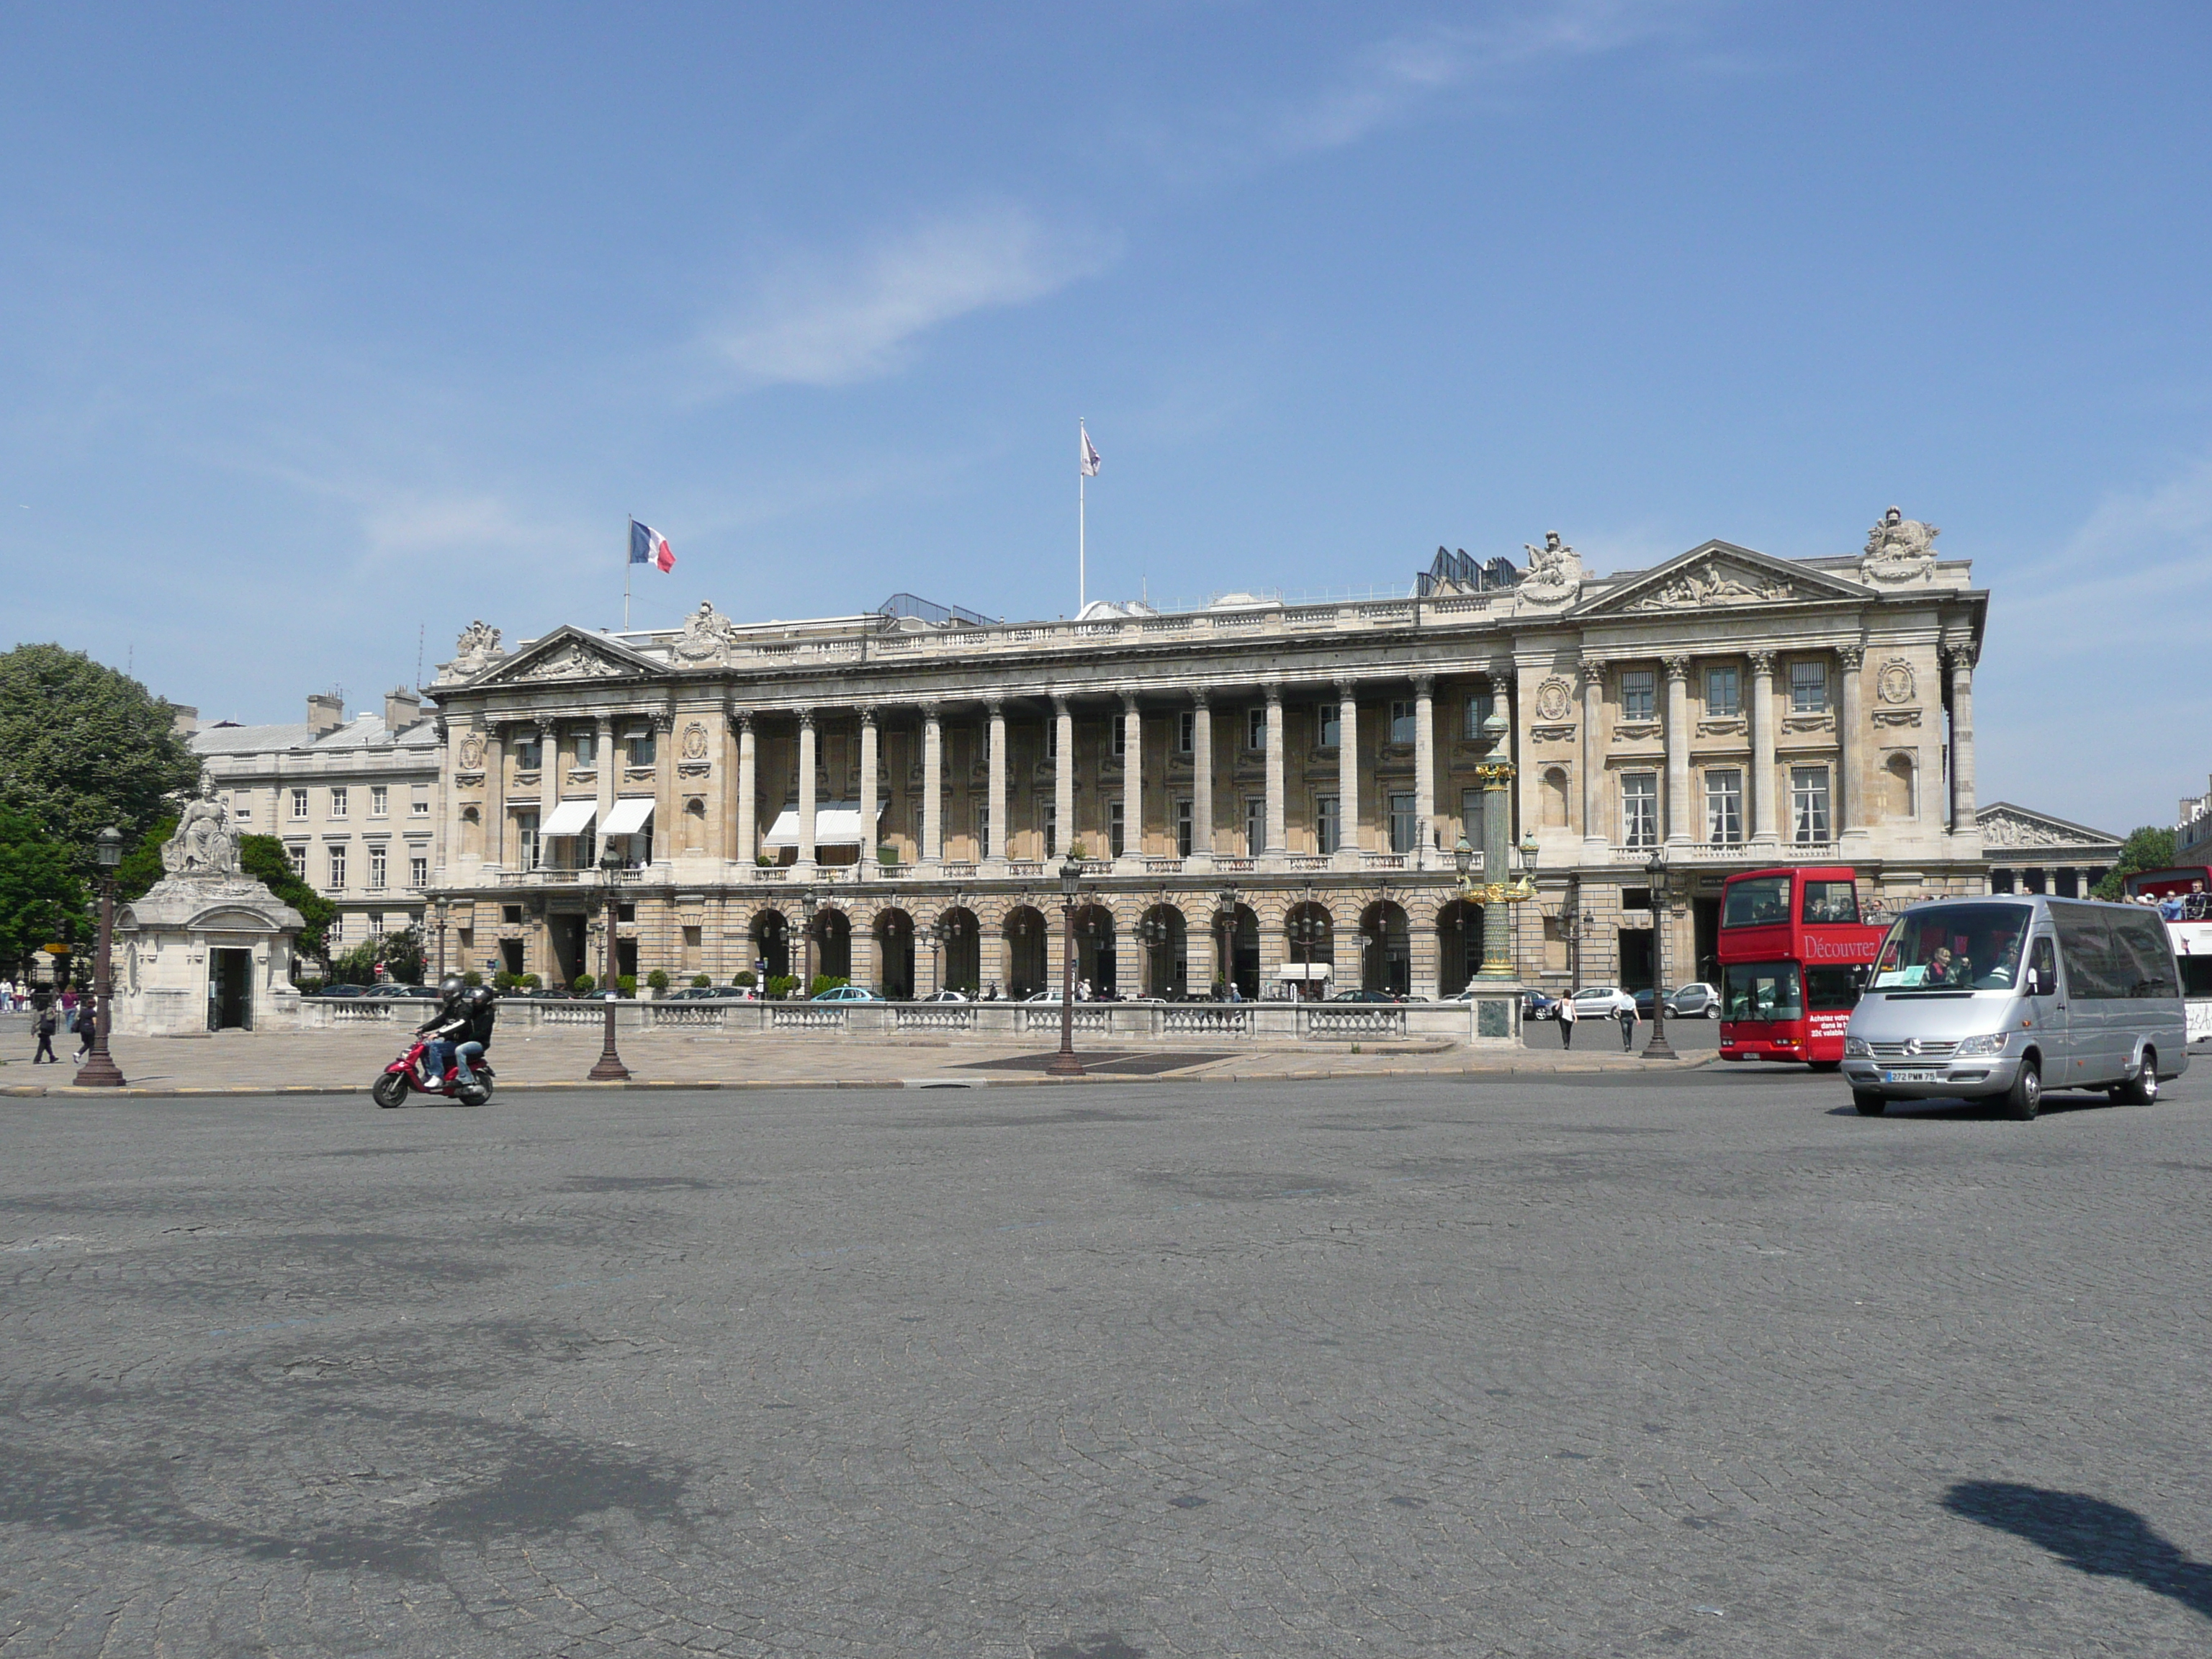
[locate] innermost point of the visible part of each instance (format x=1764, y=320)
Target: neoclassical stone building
x=893, y=784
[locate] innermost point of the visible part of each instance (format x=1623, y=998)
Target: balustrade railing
x=1354, y=1022
x=940, y=1017
x=1205, y=1022
x=1046, y=1018
x=805, y=1018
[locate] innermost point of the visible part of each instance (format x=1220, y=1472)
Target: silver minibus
x=2013, y=994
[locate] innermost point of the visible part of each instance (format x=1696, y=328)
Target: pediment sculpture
x=1900, y=549
x=2002, y=827
x=570, y=662
x=1714, y=584
x=706, y=638
x=1555, y=572
x=477, y=645
x=204, y=844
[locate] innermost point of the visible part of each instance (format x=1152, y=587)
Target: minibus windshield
x=1954, y=947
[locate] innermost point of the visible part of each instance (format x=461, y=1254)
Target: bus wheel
x=1826, y=1065
x=2141, y=1089
x=1869, y=1104
x=2025, y=1098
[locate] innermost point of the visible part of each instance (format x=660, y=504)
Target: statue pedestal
x=205, y=953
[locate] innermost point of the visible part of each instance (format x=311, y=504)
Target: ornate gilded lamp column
x=99, y=1070
x=1496, y=772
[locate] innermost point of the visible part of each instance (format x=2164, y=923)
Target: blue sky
x=321, y=324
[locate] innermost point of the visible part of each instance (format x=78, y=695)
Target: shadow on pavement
x=1957, y=1109
x=2088, y=1534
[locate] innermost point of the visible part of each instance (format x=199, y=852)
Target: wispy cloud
x=814, y=323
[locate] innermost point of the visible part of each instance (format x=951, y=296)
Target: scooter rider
x=445, y=1029
x=479, y=1008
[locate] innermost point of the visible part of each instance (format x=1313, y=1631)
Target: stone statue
x=1899, y=549
x=707, y=637
x=1555, y=572
x=1714, y=584
x=204, y=844
x=478, y=639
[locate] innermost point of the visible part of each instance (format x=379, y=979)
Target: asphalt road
x=1702, y=1363
x=1685, y=1036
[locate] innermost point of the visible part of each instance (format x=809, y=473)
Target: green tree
x=2146, y=848
x=41, y=900
x=83, y=746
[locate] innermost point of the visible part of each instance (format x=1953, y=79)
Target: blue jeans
x=438, y=1057
x=465, y=1054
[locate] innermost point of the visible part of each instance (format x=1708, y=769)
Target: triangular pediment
x=1720, y=576
x=2003, y=824
x=570, y=653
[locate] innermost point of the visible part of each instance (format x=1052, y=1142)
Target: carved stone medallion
x=695, y=741
x=473, y=748
x=1554, y=698
x=1895, y=684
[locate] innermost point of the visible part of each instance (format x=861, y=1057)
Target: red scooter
x=410, y=1071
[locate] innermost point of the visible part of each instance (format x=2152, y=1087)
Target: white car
x=1602, y=1002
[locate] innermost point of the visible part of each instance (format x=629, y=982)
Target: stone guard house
x=898, y=782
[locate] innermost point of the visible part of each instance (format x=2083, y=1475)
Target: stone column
x=1063, y=776
x=995, y=851
x=1278, y=837
x=1132, y=782
x=1496, y=774
x=495, y=810
x=1424, y=771
x=933, y=785
x=748, y=790
x=1765, y=829
x=1961, y=661
x=1593, y=679
x=1348, y=775
x=871, y=804
x=1679, y=821
x=609, y=773
x=1850, y=766
x=667, y=816
x=806, y=787
x=1201, y=781
x=549, y=789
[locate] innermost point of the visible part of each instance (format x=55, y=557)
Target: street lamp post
x=1305, y=933
x=806, y=903
x=609, y=1067
x=99, y=1070
x=1225, y=920
x=1065, y=1064
x=438, y=926
x=1656, y=868
x=928, y=935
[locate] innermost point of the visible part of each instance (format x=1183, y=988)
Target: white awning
x=629, y=815
x=570, y=818
x=837, y=823
x=1304, y=970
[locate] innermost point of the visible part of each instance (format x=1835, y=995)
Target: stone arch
x=1097, y=947
x=1310, y=941
x=960, y=949
x=471, y=833
x=1899, y=788
x=1459, y=945
x=1162, y=937
x=1032, y=941
x=1554, y=789
x=771, y=943
x=1386, y=948
x=832, y=933
x=893, y=931
x=692, y=835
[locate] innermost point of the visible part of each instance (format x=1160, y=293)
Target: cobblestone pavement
x=1697, y=1362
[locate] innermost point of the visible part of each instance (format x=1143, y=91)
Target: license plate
x=1914, y=1075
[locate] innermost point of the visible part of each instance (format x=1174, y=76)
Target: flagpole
x=1082, y=474
x=627, y=543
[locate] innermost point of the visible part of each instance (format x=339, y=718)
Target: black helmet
x=450, y=989
x=480, y=997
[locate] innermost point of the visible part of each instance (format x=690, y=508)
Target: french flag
x=648, y=546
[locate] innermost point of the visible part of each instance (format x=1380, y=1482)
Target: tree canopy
x=42, y=901
x=83, y=746
x=2149, y=847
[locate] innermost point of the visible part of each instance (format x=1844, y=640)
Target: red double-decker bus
x=1793, y=954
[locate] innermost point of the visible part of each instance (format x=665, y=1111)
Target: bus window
x=1759, y=902
x=1761, y=990
x=1832, y=990
x=1830, y=901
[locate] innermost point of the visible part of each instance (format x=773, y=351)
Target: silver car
x=2009, y=996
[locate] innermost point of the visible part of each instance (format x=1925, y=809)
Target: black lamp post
x=1157, y=935
x=1307, y=930
x=438, y=926
x=99, y=1070
x=1065, y=1064
x=806, y=903
x=609, y=1067
x=931, y=936
x=1226, y=920
x=1656, y=868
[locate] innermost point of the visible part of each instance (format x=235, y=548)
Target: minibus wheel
x=2025, y=1098
x=2141, y=1089
x=1869, y=1104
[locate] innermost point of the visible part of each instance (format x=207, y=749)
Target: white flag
x=1089, y=456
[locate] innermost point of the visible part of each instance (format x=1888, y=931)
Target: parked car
x=336, y=991
x=853, y=993
x=946, y=996
x=1601, y=1002
x=1365, y=996
x=1052, y=995
x=391, y=989
x=1536, y=1006
x=704, y=993
x=1696, y=1001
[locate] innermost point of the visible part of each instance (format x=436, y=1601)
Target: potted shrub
x=472, y=978
x=626, y=985
x=581, y=985
x=657, y=982
x=701, y=982
x=745, y=979
x=533, y=982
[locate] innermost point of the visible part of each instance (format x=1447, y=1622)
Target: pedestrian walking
x=45, y=1025
x=87, y=1027
x=1626, y=1015
x=1567, y=1018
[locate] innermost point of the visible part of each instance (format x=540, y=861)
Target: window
x=511, y=915
x=526, y=839
x=418, y=870
x=1724, y=808
x=1478, y=710
x=1256, y=727
x=587, y=749
x=1052, y=738
x=1328, y=824
x=1049, y=811
x=1115, y=823
x=1186, y=731
x=1404, y=718
x=241, y=805
x=1639, y=809
x=1829, y=902
x=420, y=806
x=1639, y=693
x=299, y=803
x=1808, y=688
x=1724, y=693
x=1758, y=902
x=529, y=753
x=1255, y=825
x=983, y=826
x=337, y=803
x=338, y=867
x=378, y=865
x=1403, y=825
x=1328, y=725
x=1183, y=822
x=643, y=747
x=298, y=855
x=376, y=924
x=1809, y=802
x=1471, y=818
x=379, y=801
x=1120, y=728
